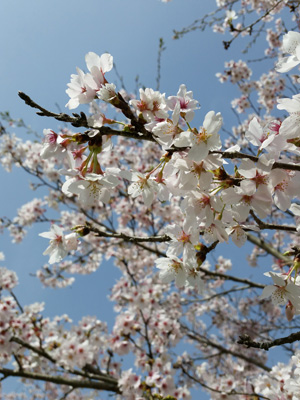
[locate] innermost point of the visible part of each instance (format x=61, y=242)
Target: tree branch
x=60, y=380
x=264, y=225
x=231, y=278
x=237, y=154
x=127, y=238
x=40, y=352
x=195, y=336
x=249, y=28
x=268, y=248
x=233, y=392
x=248, y=342
x=81, y=120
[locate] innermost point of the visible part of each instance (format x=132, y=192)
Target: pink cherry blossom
x=186, y=102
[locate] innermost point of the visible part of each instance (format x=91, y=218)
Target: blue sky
x=41, y=45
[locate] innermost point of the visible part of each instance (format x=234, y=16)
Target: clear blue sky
x=41, y=44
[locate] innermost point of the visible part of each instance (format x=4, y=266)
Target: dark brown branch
x=237, y=154
x=67, y=394
x=17, y=301
x=81, y=120
x=146, y=336
x=127, y=238
x=231, y=278
x=195, y=336
x=77, y=120
x=154, y=251
x=138, y=132
x=40, y=352
x=264, y=225
x=60, y=380
x=248, y=342
x=136, y=122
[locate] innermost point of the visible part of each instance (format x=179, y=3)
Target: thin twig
x=161, y=48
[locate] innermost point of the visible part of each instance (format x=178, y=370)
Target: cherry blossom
x=244, y=198
x=152, y=104
x=60, y=244
x=183, y=240
x=167, y=132
x=282, y=291
x=285, y=187
x=291, y=45
x=172, y=268
x=143, y=185
x=81, y=90
x=98, y=66
x=8, y=279
x=83, y=87
x=107, y=92
x=206, y=138
x=186, y=102
x=93, y=188
x=290, y=126
x=259, y=136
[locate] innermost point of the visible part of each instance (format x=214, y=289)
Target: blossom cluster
x=158, y=210
x=215, y=204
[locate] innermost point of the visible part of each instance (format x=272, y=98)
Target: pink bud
x=289, y=311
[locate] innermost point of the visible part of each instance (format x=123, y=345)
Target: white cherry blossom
x=81, y=90
x=172, y=268
x=206, y=138
x=243, y=199
x=98, y=66
x=290, y=45
x=152, y=104
x=183, y=240
x=143, y=185
x=93, y=188
x=259, y=136
x=283, y=290
x=285, y=186
x=290, y=127
x=60, y=244
x=83, y=87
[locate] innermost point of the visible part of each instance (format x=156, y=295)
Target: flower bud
x=289, y=311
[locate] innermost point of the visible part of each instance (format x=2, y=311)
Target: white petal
x=267, y=292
